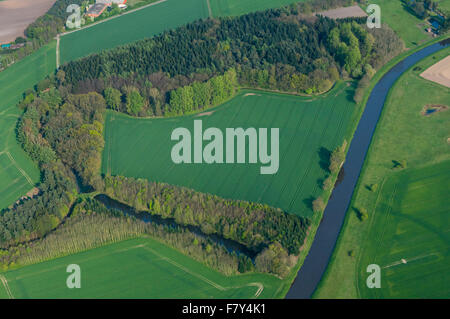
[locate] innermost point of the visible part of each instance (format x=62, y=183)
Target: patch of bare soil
x=439, y=72
x=205, y=114
x=16, y=15
x=430, y=109
x=344, y=12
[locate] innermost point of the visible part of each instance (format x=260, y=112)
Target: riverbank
x=322, y=248
x=342, y=265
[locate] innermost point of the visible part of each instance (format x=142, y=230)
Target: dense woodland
x=175, y=73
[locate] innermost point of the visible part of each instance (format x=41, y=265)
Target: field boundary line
x=209, y=9
x=57, y=51
x=5, y=284
x=30, y=181
x=113, y=17
x=210, y=282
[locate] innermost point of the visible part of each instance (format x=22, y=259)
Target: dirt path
x=5, y=284
x=209, y=9
x=57, y=51
x=20, y=169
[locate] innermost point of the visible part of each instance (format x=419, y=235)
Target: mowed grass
x=409, y=236
x=309, y=126
x=18, y=173
x=406, y=25
x=137, y=268
x=403, y=133
x=221, y=8
x=131, y=27
x=444, y=5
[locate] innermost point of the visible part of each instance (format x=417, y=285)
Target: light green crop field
x=137, y=268
x=18, y=174
x=444, y=5
x=141, y=148
x=407, y=26
x=131, y=27
x=419, y=222
x=221, y=8
x=409, y=236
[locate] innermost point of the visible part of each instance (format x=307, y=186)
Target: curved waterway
x=229, y=244
x=317, y=260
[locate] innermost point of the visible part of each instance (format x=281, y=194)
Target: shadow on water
x=230, y=245
x=327, y=233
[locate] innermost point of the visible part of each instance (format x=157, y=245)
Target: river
x=319, y=255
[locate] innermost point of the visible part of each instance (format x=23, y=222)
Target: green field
x=444, y=5
x=221, y=8
x=403, y=133
x=131, y=27
x=406, y=25
x=137, y=268
x=142, y=147
x=18, y=174
x=410, y=223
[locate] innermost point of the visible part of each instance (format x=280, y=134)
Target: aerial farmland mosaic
x=184, y=150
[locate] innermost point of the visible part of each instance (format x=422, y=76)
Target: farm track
x=6, y=286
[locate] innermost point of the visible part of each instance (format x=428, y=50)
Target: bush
x=362, y=214
x=318, y=205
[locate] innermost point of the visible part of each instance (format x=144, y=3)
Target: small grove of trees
x=420, y=7
x=202, y=95
x=35, y=217
x=251, y=224
x=337, y=158
x=318, y=205
x=92, y=224
x=362, y=213
x=352, y=45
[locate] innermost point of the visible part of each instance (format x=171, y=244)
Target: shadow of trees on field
x=324, y=158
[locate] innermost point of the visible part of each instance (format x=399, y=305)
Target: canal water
x=319, y=255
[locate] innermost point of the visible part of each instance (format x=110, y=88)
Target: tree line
x=252, y=224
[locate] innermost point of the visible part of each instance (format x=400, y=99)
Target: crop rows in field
x=309, y=129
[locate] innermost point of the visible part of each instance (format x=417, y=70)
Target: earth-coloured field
x=309, y=128
x=16, y=15
x=341, y=13
x=137, y=268
x=439, y=73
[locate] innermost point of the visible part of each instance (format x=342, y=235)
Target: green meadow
x=131, y=27
x=137, y=268
x=309, y=127
x=408, y=213
x=18, y=174
x=407, y=26
x=221, y=8
x=409, y=237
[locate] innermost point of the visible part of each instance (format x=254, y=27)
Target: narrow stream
x=230, y=245
x=317, y=260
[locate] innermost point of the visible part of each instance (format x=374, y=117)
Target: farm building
x=110, y=2
x=100, y=6
x=96, y=10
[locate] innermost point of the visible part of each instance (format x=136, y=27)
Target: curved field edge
x=18, y=173
x=172, y=275
x=335, y=264
x=307, y=126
